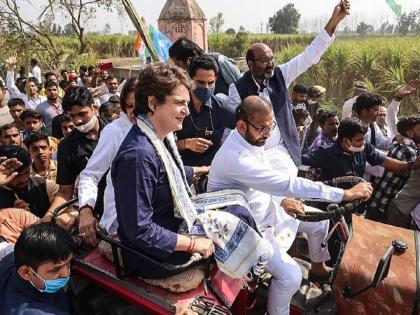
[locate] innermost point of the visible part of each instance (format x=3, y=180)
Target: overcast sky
x=251, y=13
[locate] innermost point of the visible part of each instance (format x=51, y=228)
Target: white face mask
x=354, y=149
x=88, y=126
x=311, y=102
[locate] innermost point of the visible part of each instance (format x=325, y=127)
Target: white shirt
x=30, y=103
x=348, y=108
x=240, y=165
x=382, y=142
x=391, y=117
x=99, y=163
x=36, y=72
x=290, y=70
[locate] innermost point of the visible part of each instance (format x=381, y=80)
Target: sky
x=314, y=13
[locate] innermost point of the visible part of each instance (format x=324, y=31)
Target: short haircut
x=158, y=80
x=30, y=113
x=50, y=84
x=7, y=127
x=77, y=96
x=299, y=114
x=34, y=80
x=183, y=49
x=115, y=99
x=110, y=77
x=83, y=68
x=366, y=101
x=128, y=88
x=407, y=123
x=300, y=88
x=325, y=115
x=13, y=151
x=64, y=117
x=107, y=108
x=63, y=71
x=251, y=105
x=49, y=74
x=34, y=61
x=42, y=243
x=205, y=62
x=350, y=127
x=35, y=137
x=15, y=102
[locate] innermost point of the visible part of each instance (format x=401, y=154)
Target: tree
x=363, y=29
x=285, y=21
x=107, y=29
x=230, y=31
x=68, y=30
x=241, y=30
x=216, y=23
x=407, y=23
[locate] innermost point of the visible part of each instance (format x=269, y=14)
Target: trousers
x=287, y=276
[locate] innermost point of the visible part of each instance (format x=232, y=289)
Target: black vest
x=35, y=195
x=277, y=91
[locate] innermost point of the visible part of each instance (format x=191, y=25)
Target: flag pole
x=141, y=28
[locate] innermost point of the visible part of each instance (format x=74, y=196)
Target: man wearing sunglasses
x=271, y=82
x=242, y=163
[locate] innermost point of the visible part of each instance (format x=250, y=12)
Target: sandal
x=313, y=277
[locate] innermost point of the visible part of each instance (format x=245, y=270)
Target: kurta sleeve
x=135, y=174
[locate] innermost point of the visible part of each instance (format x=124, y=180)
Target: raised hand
x=407, y=89
x=340, y=11
x=8, y=169
x=12, y=61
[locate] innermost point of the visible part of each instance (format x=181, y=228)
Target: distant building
x=184, y=18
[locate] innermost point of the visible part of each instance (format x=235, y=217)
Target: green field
x=382, y=63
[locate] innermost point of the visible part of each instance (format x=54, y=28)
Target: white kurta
x=99, y=163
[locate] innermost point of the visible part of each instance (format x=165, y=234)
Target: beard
x=257, y=142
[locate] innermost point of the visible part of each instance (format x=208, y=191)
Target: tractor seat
x=185, y=281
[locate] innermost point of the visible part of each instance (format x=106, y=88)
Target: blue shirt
x=145, y=209
x=19, y=297
x=209, y=123
x=335, y=163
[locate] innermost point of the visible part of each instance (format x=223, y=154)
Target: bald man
x=241, y=163
x=270, y=82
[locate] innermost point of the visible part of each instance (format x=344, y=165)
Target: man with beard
x=270, y=82
x=77, y=147
x=51, y=107
x=328, y=121
x=10, y=134
x=40, y=151
x=387, y=186
x=31, y=193
x=241, y=163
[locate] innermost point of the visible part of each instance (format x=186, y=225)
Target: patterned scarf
x=238, y=247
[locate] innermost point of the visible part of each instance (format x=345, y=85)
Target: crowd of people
x=133, y=151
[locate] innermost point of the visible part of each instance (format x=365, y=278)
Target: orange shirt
x=13, y=221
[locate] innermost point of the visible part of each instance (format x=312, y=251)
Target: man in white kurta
x=242, y=163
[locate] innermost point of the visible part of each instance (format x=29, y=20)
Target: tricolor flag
x=396, y=8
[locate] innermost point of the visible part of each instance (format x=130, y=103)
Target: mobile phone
x=106, y=66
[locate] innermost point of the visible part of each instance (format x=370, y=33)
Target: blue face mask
x=203, y=93
x=51, y=286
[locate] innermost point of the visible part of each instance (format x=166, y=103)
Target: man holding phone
x=202, y=131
